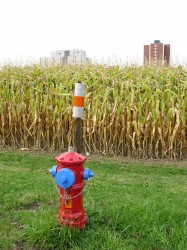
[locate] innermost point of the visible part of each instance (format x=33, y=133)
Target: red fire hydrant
x=70, y=175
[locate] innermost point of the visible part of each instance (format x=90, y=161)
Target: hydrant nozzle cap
x=53, y=170
x=65, y=178
x=87, y=174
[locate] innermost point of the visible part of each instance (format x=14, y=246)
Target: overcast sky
x=105, y=29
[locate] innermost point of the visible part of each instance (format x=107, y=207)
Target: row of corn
x=129, y=111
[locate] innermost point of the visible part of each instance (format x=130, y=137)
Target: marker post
x=78, y=110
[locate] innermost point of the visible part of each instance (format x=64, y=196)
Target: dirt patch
x=21, y=245
x=34, y=206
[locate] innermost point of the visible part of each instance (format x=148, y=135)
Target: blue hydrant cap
x=87, y=174
x=65, y=178
x=53, y=170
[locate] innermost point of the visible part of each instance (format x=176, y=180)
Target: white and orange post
x=78, y=111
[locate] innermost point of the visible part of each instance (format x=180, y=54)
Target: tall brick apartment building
x=157, y=53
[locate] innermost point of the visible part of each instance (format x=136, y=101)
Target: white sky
x=105, y=29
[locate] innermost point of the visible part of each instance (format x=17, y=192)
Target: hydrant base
x=78, y=222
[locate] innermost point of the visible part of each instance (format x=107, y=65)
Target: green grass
x=130, y=206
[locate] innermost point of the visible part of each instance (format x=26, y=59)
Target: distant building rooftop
x=64, y=57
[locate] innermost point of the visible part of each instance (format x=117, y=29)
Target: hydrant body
x=70, y=175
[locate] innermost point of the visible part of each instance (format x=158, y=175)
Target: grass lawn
x=129, y=205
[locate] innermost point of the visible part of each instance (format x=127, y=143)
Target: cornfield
x=129, y=111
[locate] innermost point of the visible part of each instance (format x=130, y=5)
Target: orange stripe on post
x=78, y=101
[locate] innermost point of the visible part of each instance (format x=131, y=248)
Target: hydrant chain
x=66, y=196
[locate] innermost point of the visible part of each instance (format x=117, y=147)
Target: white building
x=66, y=57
